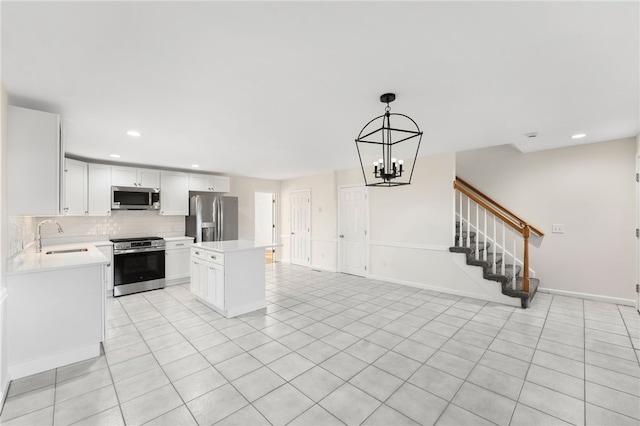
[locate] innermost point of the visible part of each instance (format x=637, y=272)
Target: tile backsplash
x=22, y=229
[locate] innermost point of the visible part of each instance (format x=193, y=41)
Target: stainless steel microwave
x=133, y=198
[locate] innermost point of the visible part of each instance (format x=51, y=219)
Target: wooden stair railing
x=505, y=215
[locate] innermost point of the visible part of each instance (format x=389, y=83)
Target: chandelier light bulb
x=394, y=160
x=401, y=162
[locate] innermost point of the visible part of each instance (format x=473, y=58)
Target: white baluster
x=461, y=239
x=477, y=232
x=468, y=223
x=484, y=237
x=504, y=257
x=495, y=244
x=513, y=281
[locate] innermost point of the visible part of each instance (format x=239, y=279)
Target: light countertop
x=30, y=261
x=177, y=238
x=233, y=245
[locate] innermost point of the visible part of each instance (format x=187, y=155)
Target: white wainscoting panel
x=433, y=268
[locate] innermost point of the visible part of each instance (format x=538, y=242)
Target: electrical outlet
x=557, y=228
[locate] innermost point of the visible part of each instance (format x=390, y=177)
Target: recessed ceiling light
x=134, y=133
x=114, y=155
x=195, y=166
x=578, y=136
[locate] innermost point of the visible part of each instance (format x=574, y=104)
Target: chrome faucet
x=39, y=234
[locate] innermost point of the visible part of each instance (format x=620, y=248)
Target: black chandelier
x=379, y=143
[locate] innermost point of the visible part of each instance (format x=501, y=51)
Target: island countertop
x=231, y=246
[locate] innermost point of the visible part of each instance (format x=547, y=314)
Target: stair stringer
x=493, y=289
x=435, y=269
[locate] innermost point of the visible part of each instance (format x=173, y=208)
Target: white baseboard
x=323, y=268
x=245, y=309
x=177, y=281
x=587, y=296
x=23, y=369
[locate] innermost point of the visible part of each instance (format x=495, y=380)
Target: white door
x=638, y=238
x=352, y=241
x=265, y=219
x=301, y=227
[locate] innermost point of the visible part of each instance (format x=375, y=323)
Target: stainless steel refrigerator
x=212, y=218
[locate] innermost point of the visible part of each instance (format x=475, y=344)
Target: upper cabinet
x=174, y=194
x=209, y=183
x=99, y=193
x=34, y=169
x=130, y=176
x=75, y=188
x=86, y=189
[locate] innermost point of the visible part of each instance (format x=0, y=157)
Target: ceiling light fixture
x=195, y=166
x=114, y=155
x=578, y=136
x=134, y=133
x=382, y=145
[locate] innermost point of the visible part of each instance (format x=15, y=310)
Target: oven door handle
x=138, y=250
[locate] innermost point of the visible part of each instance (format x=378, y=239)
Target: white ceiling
x=282, y=89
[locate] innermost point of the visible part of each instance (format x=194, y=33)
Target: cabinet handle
x=213, y=257
x=179, y=244
x=197, y=252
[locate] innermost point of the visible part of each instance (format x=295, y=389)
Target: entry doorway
x=353, y=229
x=301, y=227
x=265, y=223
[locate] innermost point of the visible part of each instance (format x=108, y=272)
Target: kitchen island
x=229, y=276
x=55, y=308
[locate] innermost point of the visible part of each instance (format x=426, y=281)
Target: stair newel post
x=526, y=232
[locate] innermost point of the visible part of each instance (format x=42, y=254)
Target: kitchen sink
x=78, y=250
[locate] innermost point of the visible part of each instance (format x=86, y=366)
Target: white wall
x=4, y=373
x=245, y=188
x=410, y=227
x=323, y=218
x=588, y=188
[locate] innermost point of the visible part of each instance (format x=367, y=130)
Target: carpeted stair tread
x=504, y=280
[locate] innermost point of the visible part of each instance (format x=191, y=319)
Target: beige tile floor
x=334, y=349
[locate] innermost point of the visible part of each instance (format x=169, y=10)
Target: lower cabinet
x=177, y=260
x=207, y=278
x=230, y=282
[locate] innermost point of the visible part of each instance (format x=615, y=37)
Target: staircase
x=484, y=228
x=487, y=265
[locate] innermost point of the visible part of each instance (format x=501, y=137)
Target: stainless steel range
x=138, y=264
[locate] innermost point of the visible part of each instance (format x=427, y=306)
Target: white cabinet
x=99, y=190
x=209, y=183
x=177, y=260
x=230, y=282
x=207, y=277
x=55, y=317
x=35, y=163
x=130, y=176
x=75, y=188
x=174, y=194
x=107, y=250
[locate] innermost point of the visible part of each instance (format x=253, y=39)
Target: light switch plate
x=557, y=228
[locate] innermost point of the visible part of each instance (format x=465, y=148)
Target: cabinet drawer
x=208, y=256
x=176, y=245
